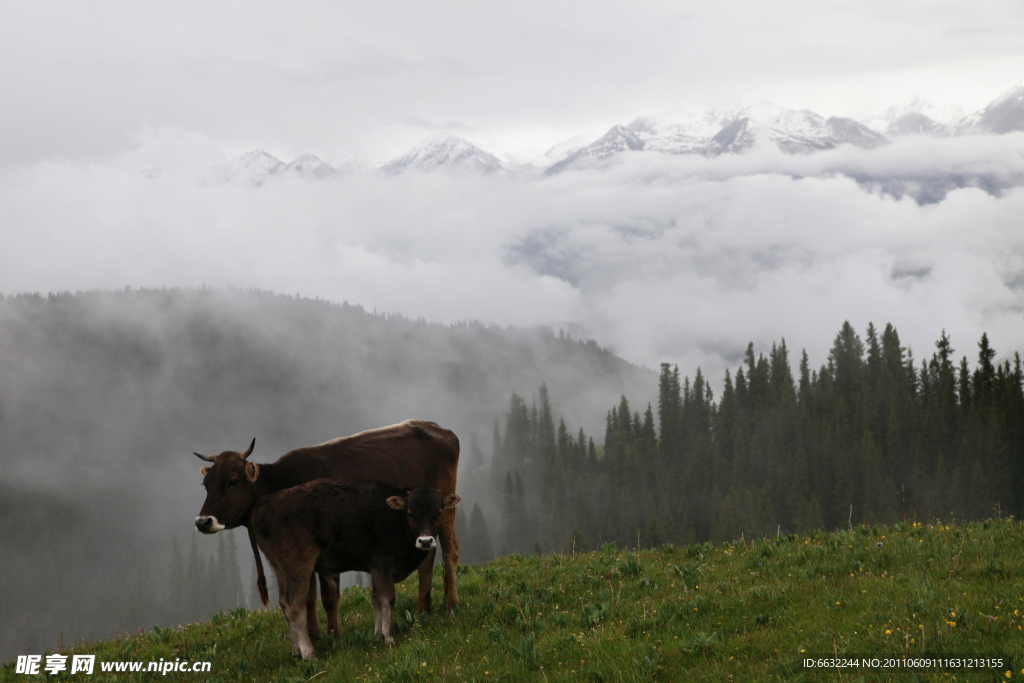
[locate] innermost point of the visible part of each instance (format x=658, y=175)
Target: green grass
x=738, y=611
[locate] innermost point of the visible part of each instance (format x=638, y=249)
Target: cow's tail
x=261, y=580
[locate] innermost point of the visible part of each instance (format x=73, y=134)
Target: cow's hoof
x=453, y=610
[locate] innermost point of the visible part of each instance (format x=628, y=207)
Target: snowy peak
x=670, y=136
x=560, y=151
x=1004, y=114
x=917, y=116
x=445, y=152
x=252, y=168
x=617, y=139
x=309, y=167
x=726, y=130
x=256, y=167
x=843, y=131
x=916, y=123
x=735, y=136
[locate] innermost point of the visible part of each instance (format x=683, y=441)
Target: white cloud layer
x=665, y=259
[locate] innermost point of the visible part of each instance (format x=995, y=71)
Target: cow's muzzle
x=208, y=524
x=426, y=543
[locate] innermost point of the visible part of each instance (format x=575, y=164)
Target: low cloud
x=674, y=259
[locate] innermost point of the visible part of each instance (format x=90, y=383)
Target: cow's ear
x=204, y=470
x=252, y=470
x=451, y=501
x=397, y=502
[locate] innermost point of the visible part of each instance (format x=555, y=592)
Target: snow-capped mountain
x=713, y=131
x=445, y=152
x=725, y=130
x=310, y=167
x=560, y=151
x=256, y=167
x=618, y=139
x=1005, y=114
x=252, y=168
x=917, y=116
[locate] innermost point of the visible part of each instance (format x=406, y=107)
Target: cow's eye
x=233, y=482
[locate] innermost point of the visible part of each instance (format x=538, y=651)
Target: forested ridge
x=870, y=436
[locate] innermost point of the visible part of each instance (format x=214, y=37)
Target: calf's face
x=423, y=513
x=230, y=493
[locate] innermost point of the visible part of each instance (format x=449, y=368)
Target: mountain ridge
x=724, y=129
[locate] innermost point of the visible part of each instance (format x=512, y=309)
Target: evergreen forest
x=872, y=436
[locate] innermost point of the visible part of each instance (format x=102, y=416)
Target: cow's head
x=230, y=490
x=423, y=513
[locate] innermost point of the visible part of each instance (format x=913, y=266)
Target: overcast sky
x=83, y=79
x=663, y=259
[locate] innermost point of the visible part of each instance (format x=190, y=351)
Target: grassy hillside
x=740, y=611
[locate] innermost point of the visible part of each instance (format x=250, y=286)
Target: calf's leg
x=375, y=600
x=293, y=589
x=426, y=573
x=384, y=603
x=329, y=595
x=312, y=621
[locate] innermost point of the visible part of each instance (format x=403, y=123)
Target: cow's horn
x=207, y=458
x=249, y=452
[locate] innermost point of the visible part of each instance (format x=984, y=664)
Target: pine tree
x=478, y=538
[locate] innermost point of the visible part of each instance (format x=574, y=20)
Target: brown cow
x=413, y=454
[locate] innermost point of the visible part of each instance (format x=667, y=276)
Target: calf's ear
x=451, y=501
x=396, y=502
x=252, y=470
x=204, y=470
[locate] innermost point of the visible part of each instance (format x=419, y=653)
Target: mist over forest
x=104, y=397
x=564, y=446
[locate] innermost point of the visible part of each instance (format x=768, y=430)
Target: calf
x=330, y=526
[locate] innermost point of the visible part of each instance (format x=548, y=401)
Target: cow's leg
x=384, y=588
x=450, y=558
x=312, y=621
x=426, y=577
x=329, y=596
x=375, y=600
x=293, y=590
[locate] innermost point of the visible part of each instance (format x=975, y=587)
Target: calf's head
x=423, y=513
x=230, y=490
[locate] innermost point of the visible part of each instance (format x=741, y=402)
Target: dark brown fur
x=329, y=526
